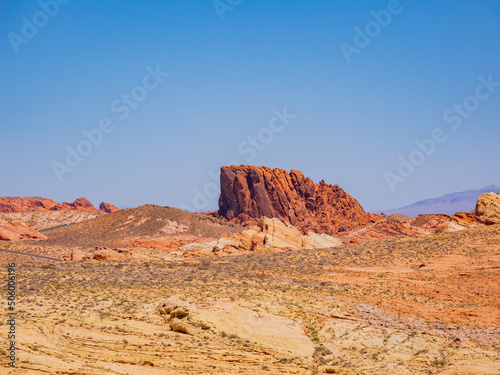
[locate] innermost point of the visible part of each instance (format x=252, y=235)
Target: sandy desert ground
x=426, y=304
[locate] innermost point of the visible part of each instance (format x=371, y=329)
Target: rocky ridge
x=29, y=204
x=249, y=193
x=267, y=236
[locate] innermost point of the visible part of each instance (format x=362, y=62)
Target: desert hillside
x=148, y=222
x=424, y=304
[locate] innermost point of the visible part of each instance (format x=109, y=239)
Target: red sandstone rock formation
x=25, y=204
x=248, y=193
x=107, y=207
x=18, y=231
x=78, y=204
x=470, y=220
x=28, y=204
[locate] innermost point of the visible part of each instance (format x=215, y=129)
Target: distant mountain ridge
x=462, y=201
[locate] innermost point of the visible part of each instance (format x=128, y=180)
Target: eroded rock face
x=272, y=331
x=28, y=204
x=18, y=231
x=78, y=204
x=271, y=234
x=107, y=207
x=470, y=220
x=488, y=206
x=249, y=192
x=182, y=316
x=25, y=204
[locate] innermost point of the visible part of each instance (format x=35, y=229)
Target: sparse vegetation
x=107, y=310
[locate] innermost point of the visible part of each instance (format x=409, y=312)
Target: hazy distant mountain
x=447, y=204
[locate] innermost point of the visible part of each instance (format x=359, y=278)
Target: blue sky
x=228, y=77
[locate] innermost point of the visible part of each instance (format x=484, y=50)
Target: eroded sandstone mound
x=29, y=204
x=249, y=192
x=19, y=231
x=78, y=204
x=271, y=234
x=488, y=206
x=107, y=207
x=25, y=204
x=272, y=331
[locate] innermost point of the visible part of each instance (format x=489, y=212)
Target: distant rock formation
x=107, y=207
x=470, y=220
x=397, y=225
x=18, y=231
x=28, y=204
x=78, y=204
x=249, y=192
x=25, y=204
x=488, y=206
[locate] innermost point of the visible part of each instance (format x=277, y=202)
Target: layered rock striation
x=273, y=234
x=249, y=192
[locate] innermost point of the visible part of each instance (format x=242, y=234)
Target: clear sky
x=359, y=81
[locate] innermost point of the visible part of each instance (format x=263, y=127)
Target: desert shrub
x=441, y=228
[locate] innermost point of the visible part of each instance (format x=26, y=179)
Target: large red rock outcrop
x=28, y=204
x=78, y=204
x=107, y=207
x=18, y=231
x=249, y=192
x=470, y=220
x=25, y=204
